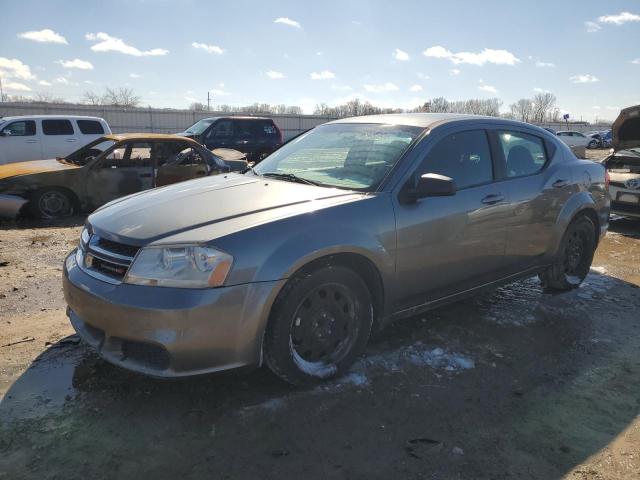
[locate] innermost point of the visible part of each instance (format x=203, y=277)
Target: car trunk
x=626, y=129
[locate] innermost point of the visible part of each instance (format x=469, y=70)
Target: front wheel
x=574, y=258
x=52, y=203
x=593, y=144
x=319, y=325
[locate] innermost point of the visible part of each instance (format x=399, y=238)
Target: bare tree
x=121, y=97
x=522, y=110
x=92, y=98
x=197, y=106
x=542, y=103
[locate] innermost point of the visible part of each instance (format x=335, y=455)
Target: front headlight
x=182, y=266
x=84, y=238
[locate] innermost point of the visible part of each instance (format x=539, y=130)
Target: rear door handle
x=493, y=198
x=30, y=141
x=560, y=183
x=71, y=139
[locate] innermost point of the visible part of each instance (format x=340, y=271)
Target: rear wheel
x=319, y=325
x=574, y=258
x=52, y=203
x=593, y=144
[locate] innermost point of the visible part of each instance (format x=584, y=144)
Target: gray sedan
x=351, y=225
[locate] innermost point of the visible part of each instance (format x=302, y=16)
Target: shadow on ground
x=511, y=384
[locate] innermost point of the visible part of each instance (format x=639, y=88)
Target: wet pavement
x=514, y=383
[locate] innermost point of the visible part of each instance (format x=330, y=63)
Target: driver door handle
x=493, y=199
x=560, y=183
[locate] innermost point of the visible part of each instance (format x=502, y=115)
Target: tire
x=52, y=203
x=319, y=325
x=593, y=144
x=574, y=257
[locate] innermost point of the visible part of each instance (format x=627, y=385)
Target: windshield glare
x=199, y=127
x=353, y=156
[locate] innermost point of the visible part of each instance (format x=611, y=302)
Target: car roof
x=426, y=120
x=118, y=137
x=236, y=117
x=32, y=117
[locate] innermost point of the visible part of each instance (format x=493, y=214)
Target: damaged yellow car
x=108, y=168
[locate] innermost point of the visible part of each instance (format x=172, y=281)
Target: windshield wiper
x=290, y=177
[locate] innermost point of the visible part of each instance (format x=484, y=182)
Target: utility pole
x=1, y=92
x=208, y=102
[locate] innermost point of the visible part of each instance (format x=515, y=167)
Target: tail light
x=281, y=136
x=607, y=179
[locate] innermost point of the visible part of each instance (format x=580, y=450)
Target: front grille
x=147, y=354
x=622, y=207
x=108, y=258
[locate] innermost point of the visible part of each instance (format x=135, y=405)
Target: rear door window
x=57, y=127
x=524, y=154
x=465, y=157
x=90, y=127
x=22, y=128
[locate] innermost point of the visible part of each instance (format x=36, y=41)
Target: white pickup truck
x=38, y=137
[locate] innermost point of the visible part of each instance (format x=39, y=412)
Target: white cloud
x=423, y=76
x=323, y=75
x=596, y=107
x=208, y=48
x=341, y=88
x=587, y=78
x=14, y=68
x=454, y=71
x=540, y=90
x=540, y=64
x=488, y=88
x=62, y=80
x=619, y=19
x=44, y=36
x=44, y=83
x=107, y=43
x=592, y=27
x=273, y=75
x=76, y=63
x=415, y=88
x=16, y=86
x=134, y=75
x=613, y=108
x=356, y=22
x=400, y=55
x=487, y=55
x=636, y=61
x=288, y=21
x=386, y=87
x=219, y=92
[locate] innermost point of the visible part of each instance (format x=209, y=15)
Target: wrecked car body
x=623, y=165
x=110, y=167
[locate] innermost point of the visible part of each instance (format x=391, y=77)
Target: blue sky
x=396, y=53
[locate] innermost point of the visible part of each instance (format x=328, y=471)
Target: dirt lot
x=511, y=384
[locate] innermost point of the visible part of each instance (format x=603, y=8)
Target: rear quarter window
x=57, y=127
x=90, y=127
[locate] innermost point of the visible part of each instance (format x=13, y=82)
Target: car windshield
x=354, y=156
x=89, y=151
x=199, y=127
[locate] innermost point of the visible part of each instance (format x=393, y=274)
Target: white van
x=39, y=137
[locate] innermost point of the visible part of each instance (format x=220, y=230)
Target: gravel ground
x=514, y=383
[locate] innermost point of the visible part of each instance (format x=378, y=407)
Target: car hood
x=188, y=210
x=626, y=129
x=34, y=166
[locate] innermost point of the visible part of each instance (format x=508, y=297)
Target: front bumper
x=10, y=205
x=169, y=332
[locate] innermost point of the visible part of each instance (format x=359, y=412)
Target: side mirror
x=429, y=185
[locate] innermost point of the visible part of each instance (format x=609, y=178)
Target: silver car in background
x=351, y=225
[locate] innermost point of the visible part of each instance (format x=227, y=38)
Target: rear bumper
x=10, y=205
x=627, y=208
x=169, y=332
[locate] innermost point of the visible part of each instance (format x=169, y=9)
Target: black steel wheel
x=319, y=324
x=52, y=203
x=574, y=258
